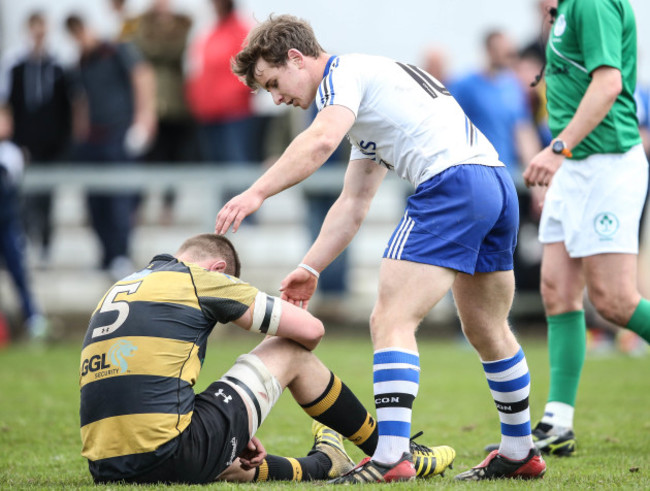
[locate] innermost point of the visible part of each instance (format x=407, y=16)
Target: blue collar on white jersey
x=329, y=65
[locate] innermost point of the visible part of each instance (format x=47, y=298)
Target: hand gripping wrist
x=310, y=269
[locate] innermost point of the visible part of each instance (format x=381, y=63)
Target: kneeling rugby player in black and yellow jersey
x=140, y=418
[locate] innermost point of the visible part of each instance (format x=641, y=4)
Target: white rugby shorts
x=594, y=205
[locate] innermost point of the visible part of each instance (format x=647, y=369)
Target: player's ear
x=296, y=57
x=219, y=265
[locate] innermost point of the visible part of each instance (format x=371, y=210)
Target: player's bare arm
x=304, y=156
x=362, y=180
x=605, y=86
x=273, y=316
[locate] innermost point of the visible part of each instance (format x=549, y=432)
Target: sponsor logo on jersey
x=559, y=26
x=113, y=362
x=606, y=225
x=118, y=353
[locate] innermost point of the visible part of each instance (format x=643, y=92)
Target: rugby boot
x=329, y=442
x=496, y=466
x=431, y=461
x=371, y=471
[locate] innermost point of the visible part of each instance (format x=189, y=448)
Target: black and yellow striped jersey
x=141, y=356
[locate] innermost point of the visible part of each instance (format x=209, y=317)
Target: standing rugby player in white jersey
x=458, y=231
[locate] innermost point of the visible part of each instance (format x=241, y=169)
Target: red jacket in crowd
x=213, y=92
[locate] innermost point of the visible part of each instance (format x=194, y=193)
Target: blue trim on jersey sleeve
x=331, y=84
x=327, y=96
x=329, y=65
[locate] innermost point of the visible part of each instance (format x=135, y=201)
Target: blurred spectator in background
x=495, y=100
x=12, y=240
x=161, y=36
x=496, y=103
x=435, y=62
x=38, y=94
x=333, y=282
x=530, y=68
x=128, y=24
x=114, y=123
x=642, y=97
x=221, y=103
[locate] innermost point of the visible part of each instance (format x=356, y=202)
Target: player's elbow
x=355, y=207
x=615, y=87
x=610, y=82
x=325, y=145
x=313, y=332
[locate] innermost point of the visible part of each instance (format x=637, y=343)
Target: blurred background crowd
x=150, y=87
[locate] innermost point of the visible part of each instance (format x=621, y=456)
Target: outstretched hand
x=253, y=455
x=235, y=210
x=298, y=287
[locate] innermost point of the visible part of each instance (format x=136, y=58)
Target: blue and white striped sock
x=396, y=378
x=509, y=382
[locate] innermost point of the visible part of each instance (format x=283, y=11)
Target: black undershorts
x=217, y=434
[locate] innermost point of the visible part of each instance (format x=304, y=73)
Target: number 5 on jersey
x=120, y=306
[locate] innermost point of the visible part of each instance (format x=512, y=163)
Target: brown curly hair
x=271, y=40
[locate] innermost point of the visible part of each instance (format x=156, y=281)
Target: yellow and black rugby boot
x=554, y=441
x=431, y=461
x=372, y=471
x=329, y=442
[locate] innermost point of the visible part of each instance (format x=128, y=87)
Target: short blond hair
x=207, y=246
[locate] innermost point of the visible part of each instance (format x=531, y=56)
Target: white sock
x=558, y=414
x=509, y=382
x=396, y=378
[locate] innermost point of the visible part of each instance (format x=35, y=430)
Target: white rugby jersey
x=405, y=119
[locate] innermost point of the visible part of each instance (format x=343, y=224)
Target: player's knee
x=389, y=332
x=557, y=300
x=615, y=307
x=549, y=292
x=378, y=326
x=257, y=386
x=487, y=339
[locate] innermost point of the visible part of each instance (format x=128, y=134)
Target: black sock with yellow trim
x=274, y=468
x=340, y=409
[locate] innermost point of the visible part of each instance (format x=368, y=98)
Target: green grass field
x=39, y=430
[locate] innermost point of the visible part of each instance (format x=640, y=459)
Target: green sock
x=567, y=345
x=640, y=320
